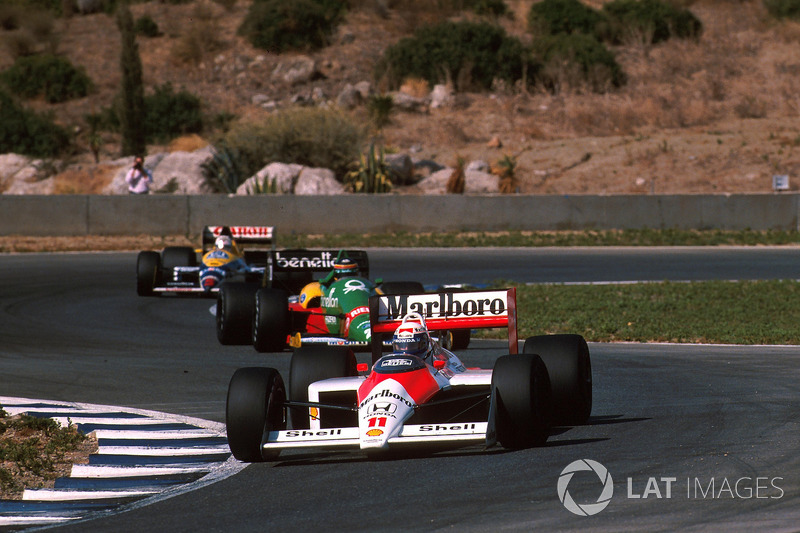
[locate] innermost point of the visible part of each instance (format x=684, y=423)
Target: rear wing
x=291, y=269
x=445, y=311
x=241, y=234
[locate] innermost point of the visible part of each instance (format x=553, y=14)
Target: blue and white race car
x=179, y=270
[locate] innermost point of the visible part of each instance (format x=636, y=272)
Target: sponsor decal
x=397, y=362
x=358, y=311
x=443, y=428
x=445, y=305
x=328, y=302
x=245, y=231
x=355, y=285
x=318, y=261
x=374, y=433
x=383, y=408
x=387, y=394
x=310, y=434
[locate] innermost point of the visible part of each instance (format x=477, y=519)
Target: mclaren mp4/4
x=177, y=270
x=431, y=400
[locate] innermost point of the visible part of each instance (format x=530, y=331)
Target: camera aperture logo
x=586, y=509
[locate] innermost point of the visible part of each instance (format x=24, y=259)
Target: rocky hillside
x=716, y=115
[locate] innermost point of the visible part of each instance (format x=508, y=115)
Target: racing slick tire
x=271, y=320
x=255, y=406
x=147, y=270
x=176, y=256
x=566, y=357
x=521, y=401
x=315, y=363
x=235, y=310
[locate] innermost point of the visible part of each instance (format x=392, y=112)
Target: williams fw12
x=419, y=401
x=227, y=253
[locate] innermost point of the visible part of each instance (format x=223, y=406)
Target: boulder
x=317, y=181
x=442, y=96
x=349, y=98
x=282, y=175
x=474, y=182
x=401, y=169
x=300, y=69
x=406, y=102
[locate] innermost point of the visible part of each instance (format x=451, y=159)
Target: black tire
x=402, y=287
x=271, y=320
x=315, y=363
x=522, y=401
x=255, y=406
x=570, y=369
x=174, y=256
x=235, y=310
x=147, y=271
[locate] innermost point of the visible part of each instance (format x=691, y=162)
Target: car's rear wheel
x=235, y=309
x=176, y=256
x=271, y=320
x=255, y=406
x=147, y=268
x=315, y=363
x=521, y=401
x=568, y=364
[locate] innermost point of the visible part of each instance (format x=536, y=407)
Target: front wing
x=348, y=437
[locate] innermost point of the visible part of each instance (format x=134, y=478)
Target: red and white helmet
x=411, y=337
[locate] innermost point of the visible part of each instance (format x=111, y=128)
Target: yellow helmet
x=310, y=295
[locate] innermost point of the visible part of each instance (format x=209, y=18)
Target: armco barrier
x=186, y=215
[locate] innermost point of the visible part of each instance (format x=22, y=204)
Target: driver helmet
x=411, y=337
x=345, y=267
x=224, y=242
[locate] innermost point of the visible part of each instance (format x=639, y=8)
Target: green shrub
x=278, y=26
x=578, y=54
x=783, y=8
x=314, y=137
x=52, y=76
x=551, y=17
x=370, y=174
x=169, y=114
x=450, y=50
x=224, y=172
x=28, y=133
x=655, y=19
x=145, y=25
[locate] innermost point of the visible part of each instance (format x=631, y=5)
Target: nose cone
x=382, y=414
x=358, y=328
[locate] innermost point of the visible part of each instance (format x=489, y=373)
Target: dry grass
x=726, y=106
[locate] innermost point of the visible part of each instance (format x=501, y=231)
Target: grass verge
x=717, y=312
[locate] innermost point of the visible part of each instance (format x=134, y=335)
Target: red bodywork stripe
x=419, y=384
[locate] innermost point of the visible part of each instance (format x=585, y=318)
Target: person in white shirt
x=138, y=178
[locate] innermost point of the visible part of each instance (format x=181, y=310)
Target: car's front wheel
x=148, y=265
x=521, y=401
x=255, y=406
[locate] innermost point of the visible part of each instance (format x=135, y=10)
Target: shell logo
x=374, y=433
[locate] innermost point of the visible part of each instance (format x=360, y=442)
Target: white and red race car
x=404, y=400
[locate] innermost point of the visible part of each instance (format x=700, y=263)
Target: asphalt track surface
x=695, y=438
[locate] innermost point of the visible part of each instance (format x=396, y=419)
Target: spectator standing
x=139, y=178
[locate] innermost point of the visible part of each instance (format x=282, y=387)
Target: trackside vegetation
x=715, y=312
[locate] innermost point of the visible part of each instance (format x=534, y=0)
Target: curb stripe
x=143, y=457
